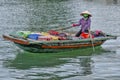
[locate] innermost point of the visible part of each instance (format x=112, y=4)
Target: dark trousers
x=79, y=33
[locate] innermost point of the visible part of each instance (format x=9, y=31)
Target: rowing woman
x=84, y=22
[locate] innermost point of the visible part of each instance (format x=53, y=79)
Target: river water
x=42, y=15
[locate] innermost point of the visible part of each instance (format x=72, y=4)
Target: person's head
x=86, y=14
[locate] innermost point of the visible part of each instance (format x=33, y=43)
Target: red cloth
x=53, y=32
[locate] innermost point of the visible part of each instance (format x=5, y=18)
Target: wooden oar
x=91, y=41
x=63, y=28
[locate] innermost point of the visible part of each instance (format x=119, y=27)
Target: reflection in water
x=29, y=60
x=37, y=66
x=85, y=63
x=26, y=60
x=60, y=65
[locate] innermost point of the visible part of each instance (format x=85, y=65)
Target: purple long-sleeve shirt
x=85, y=24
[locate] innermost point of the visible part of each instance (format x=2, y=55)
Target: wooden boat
x=56, y=45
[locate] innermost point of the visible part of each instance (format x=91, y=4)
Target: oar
x=91, y=41
x=63, y=28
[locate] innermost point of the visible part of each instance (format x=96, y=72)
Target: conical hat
x=86, y=12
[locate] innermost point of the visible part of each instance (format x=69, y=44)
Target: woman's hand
x=74, y=25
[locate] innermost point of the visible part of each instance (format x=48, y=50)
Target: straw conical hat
x=86, y=12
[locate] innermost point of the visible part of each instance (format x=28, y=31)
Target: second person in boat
x=84, y=22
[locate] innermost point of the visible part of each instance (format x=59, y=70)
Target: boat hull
x=47, y=49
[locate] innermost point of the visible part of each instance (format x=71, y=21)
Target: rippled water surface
x=42, y=15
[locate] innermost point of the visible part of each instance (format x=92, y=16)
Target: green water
x=45, y=15
x=26, y=60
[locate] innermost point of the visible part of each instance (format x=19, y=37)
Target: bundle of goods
x=47, y=36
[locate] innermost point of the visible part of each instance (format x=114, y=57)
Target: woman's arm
x=78, y=24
